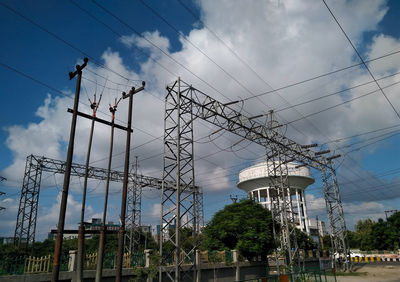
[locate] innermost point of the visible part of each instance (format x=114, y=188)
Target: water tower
x=256, y=182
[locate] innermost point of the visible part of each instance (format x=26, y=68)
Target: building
x=317, y=229
x=166, y=233
x=9, y=240
x=91, y=228
x=256, y=181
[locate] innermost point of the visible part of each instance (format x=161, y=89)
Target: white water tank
x=257, y=182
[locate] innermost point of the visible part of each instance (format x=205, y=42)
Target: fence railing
x=31, y=265
x=216, y=256
x=37, y=264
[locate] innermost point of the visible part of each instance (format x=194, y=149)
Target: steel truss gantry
x=184, y=104
x=35, y=165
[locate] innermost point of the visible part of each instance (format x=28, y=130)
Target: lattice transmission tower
x=184, y=104
x=35, y=166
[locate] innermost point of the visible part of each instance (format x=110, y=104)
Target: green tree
x=363, y=234
x=304, y=241
x=245, y=226
x=353, y=239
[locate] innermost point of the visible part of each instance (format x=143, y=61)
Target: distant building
x=9, y=240
x=95, y=225
x=166, y=232
x=317, y=229
x=146, y=228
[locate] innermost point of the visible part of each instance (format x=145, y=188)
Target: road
x=388, y=272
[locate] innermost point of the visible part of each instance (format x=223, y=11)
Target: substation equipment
x=181, y=202
x=257, y=182
x=35, y=166
x=183, y=105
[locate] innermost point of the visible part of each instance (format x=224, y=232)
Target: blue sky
x=271, y=44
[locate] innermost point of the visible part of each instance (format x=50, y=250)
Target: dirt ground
x=374, y=273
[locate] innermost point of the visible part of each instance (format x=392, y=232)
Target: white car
x=352, y=254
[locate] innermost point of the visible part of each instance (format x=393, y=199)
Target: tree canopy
x=380, y=235
x=245, y=226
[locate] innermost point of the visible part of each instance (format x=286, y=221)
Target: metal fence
x=32, y=265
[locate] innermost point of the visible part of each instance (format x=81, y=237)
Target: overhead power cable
x=156, y=46
x=345, y=102
x=196, y=47
x=255, y=73
x=362, y=60
x=120, y=36
x=262, y=78
x=64, y=41
x=323, y=75
x=361, y=134
x=335, y=93
x=62, y=93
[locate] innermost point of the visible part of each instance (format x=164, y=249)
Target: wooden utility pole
x=70, y=152
x=100, y=253
x=121, y=233
x=81, y=232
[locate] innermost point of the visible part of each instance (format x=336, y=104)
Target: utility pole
x=233, y=198
x=81, y=233
x=121, y=233
x=100, y=253
x=389, y=211
x=70, y=152
x=2, y=193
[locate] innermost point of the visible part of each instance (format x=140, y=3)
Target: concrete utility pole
x=121, y=233
x=100, y=253
x=64, y=197
x=81, y=233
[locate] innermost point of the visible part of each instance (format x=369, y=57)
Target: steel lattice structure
x=178, y=206
x=133, y=217
x=282, y=208
x=335, y=212
x=35, y=165
x=183, y=104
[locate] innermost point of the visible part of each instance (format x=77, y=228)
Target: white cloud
x=48, y=216
x=283, y=41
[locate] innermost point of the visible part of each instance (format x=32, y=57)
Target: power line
x=120, y=36
x=58, y=91
x=150, y=42
x=62, y=40
x=255, y=73
x=156, y=46
x=342, y=103
x=362, y=134
x=335, y=93
x=196, y=47
x=362, y=60
x=324, y=74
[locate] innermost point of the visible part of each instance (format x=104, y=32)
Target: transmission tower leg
x=25, y=228
x=282, y=206
x=336, y=218
x=133, y=218
x=178, y=204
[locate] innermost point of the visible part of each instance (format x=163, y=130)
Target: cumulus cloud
x=353, y=212
x=281, y=43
